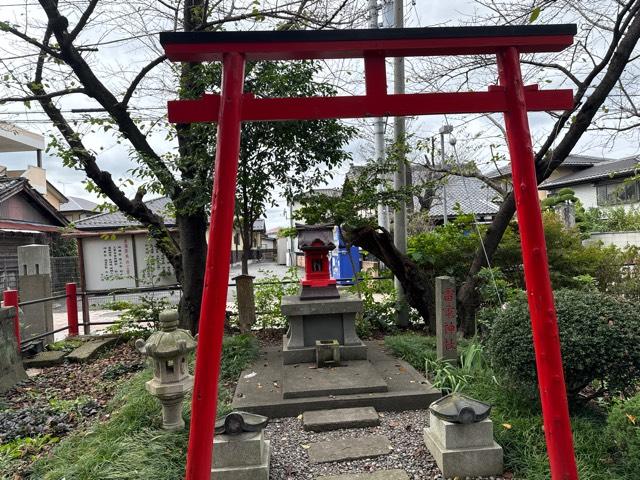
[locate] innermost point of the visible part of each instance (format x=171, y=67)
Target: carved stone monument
x=460, y=438
x=240, y=451
x=320, y=315
x=446, y=329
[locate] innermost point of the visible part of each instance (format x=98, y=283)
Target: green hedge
x=599, y=335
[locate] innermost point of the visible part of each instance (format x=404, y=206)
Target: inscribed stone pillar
x=34, y=282
x=446, y=329
x=246, y=302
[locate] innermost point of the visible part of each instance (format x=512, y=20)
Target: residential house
x=26, y=216
x=605, y=183
x=583, y=174
x=77, y=208
x=37, y=178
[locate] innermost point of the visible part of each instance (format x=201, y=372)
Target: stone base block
x=454, y=435
x=251, y=472
x=292, y=356
x=326, y=420
x=465, y=462
x=356, y=377
x=244, y=450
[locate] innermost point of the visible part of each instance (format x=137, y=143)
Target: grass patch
x=131, y=445
x=518, y=421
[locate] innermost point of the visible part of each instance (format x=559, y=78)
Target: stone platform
x=261, y=388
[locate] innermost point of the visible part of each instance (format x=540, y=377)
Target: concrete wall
x=619, y=239
x=11, y=370
x=586, y=193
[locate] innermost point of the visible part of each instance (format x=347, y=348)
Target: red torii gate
x=233, y=107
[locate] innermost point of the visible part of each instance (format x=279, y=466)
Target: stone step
x=325, y=420
x=349, y=449
x=381, y=475
x=87, y=351
x=45, y=359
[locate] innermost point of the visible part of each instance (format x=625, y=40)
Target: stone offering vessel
x=240, y=449
x=460, y=437
x=169, y=348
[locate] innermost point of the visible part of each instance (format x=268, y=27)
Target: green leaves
x=535, y=13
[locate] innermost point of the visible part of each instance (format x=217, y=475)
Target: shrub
x=378, y=304
x=142, y=319
x=623, y=428
x=268, y=292
x=599, y=338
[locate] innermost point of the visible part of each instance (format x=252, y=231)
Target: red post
x=214, y=297
x=555, y=411
x=72, y=309
x=10, y=299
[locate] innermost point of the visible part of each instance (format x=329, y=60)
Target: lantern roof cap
x=170, y=341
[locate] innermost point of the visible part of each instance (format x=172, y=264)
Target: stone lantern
x=171, y=380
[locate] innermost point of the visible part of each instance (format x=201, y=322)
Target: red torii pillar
x=233, y=107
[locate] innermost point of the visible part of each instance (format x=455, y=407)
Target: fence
x=64, y=270
x=266, y=254
x=8, y=272
x=90, y=299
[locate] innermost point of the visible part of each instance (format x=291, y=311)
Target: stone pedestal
x=463, y=450
x=241, y=457
x=320, y=320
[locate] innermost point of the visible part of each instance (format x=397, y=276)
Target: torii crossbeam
x=233, y=107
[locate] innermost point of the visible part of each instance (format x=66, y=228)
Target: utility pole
x=445, y=129
x=378, y=128
x=400, y=177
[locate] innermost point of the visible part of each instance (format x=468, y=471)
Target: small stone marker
x=325, y=420
x=349, y=449
x=446, y=329
x=381, y=475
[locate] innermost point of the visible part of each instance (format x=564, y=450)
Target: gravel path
x=289, y=459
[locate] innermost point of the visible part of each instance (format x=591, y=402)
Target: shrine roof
x=355, y=43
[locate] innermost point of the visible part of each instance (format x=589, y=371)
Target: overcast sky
x=114, y=157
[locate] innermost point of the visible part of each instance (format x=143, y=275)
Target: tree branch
x=83, y=21
x=136, y=81
x=96, y=89
x=46, y=96
x=42, y=47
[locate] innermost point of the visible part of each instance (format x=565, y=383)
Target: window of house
x=618, y=193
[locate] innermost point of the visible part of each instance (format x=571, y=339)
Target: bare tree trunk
x=418, y=287
x=193, y=246
x=247, y=243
